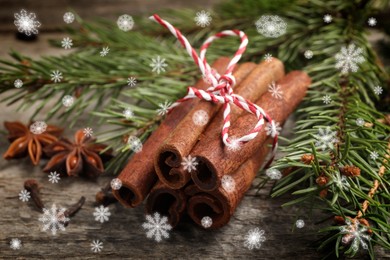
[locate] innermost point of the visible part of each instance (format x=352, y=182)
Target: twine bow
x=221, y=89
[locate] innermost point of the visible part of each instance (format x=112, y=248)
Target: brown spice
x=32, y=186
x=350, y=171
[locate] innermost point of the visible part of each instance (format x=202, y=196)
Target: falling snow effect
x=234, y=144
x=325, y=138
x=24, y=195
x=54, y=219
x=68, y=17
x=15, y=243
x=327, y=99
x=206, y=222
x=157, y=227
x=273, y=128
x=254, y=238
x=66, y=43
x=88, y=132
x=68, y=101
x=340, y=181
x=132, y=82
x=328, y=18
x=371, y=21
x=300, y=223
x=38, y=127
x=228, y=183
x=102, y=214
x=54, y=177
x=374, y=155
x=125, y=22
x=200, y=117
x=104, y=51
x=26, y=23
x=273, y=174
x=378, y=90
x=308, y=54
x=158, y=65
x=134, y=144
x=348, y=58
x=189, y=163
x=18, y=83
x=203, y=18
x=271, y=26
x=355, y=234
x=96, y=246
x=163, y=108
x=268, y=57
x=275, y=90
x=56, y=76
x=128, y=113
x=360, y=122
x=116, y=184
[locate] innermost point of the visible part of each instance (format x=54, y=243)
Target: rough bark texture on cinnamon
x=255, y=80
x=166, y=201
x=221, y=203
x=215, y=159
x=138, y=177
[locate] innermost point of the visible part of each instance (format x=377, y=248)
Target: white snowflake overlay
x=327, y=99
x=328, y=18
x=275, y=90
x=18, y=83
x=300, y=223
x=273, y=174
x=157, y=227
x=268, y=57
x=68, y=17
x=26, y=23
x=158, y=65
x=308, y=54
x=24, y=195
x=374, y=155
x=56, y=76
x=134, y=143
x=67, y=43
x=273, y=128
x=104, y=51
x=128, y=113
x=371, y=21
x=38, y=127
x=96, y=246
x=125, y=22
x=15, y=243
x=102, y=214
x=325, y=138
x=355, y=234
x=203, y=18
x=206, y=222
x=341, y=181
x=163, y=108
x=88, y=132
x=189, y=163
x=234, y=144
x=378, y=90
x=54, y=219
x=68, y=101
x=200, y=117
x=131, y=81
x=254, y=238
x=228, y=183
x=54, y=177
x=348, y=58
x=360, y=122
x=116, y=184
x=271, y=26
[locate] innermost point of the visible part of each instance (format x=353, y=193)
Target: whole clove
x=32, y=186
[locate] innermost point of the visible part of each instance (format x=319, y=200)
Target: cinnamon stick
x=216, y=160
x=166, y=201
x=139, y=176
x=179, y=144
x=220, y=204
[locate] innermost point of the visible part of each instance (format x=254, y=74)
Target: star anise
x=83, y=157
x=26, y=140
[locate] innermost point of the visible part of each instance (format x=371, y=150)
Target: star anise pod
x=29, y=139
x=83, y=157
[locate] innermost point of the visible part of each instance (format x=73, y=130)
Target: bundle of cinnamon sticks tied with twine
x=157, y=171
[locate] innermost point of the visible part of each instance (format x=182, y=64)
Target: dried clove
x=32, y=186
x=75, y=208
x=105, y=197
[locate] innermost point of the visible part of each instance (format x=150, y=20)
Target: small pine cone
x=350, y=171
x=322, y=180
x=339, y=220
x=323, y=193
x=307, y=158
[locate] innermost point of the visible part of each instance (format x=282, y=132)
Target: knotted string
x=221, y=89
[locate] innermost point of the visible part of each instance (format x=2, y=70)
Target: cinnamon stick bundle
x=139, y=176
x=220, y=204
x=179, y=144
x=166, y=201
x=215, y=160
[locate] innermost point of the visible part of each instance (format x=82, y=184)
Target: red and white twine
x=221, y=90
